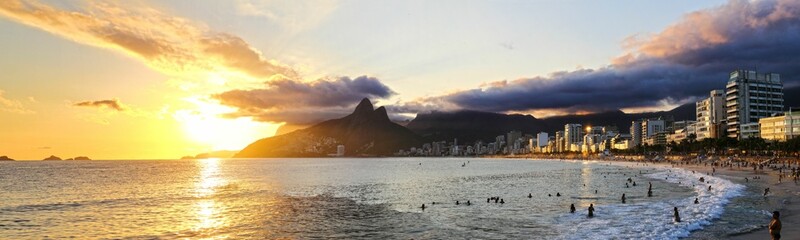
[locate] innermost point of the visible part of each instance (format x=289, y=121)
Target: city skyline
x=166, y=79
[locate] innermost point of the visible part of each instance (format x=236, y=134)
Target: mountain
x=365, y=132
x=5, y=158
x=469, y=126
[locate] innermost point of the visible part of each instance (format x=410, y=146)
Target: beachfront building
x=711, y=116
x=659, y=138
x=340, y=150
x=683, y=129
x=749, y=97
x=573, y=135
x=636, y=133
x=560, y=146
x=651, y=127
x=782, y=127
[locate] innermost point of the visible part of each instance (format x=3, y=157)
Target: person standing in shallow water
x=677, y=216
x=623, y=198
x=591, y=210
x=775, y=226
x=572, y=208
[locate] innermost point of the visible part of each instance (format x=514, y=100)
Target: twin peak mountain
x=369, y=132
x=365, y=132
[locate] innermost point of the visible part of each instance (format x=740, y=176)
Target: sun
x=206, y=125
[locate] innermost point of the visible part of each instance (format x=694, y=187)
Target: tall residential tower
x=749, y=97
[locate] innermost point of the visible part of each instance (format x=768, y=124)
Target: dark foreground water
x=361, y=199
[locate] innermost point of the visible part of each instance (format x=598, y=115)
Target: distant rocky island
x=79, y=158
x=214, y=154
x=5, y=158
x=365, y=132
x=52, y=158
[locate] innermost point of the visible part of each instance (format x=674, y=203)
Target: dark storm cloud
x=681, y=64
x=304, y=102
x=111, y=104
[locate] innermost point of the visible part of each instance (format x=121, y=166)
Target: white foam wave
x=654, y=220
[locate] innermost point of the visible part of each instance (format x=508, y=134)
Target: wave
x=654, y=220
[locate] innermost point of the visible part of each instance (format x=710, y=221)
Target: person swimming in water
x=501, y=201
x=572, y=208
x=696, y=201
x=468, y=203
x=591, y=210
x=558, y=194
x=766, y=191
x=709, y=187
x=677, y=216
x=634, y=184
x=457, y=202
x=530, y=195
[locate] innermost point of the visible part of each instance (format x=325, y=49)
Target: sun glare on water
x=207, y=125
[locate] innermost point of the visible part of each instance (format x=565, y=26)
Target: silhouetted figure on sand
x=775, y=226
x=623, y=198
x=677, y=216
x=572, y=208
x=423, y=207
x=591, y=210
x=501, y=201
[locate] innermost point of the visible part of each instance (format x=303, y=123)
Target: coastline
x=779, y=198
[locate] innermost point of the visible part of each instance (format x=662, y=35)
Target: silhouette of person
x=709, y=187
x=558, y=194
x=529, y=195
x=677, y=216
x=501, y=201
x=696, y=201
x=775, y=226
x=591, y=210
x=468, y=203
x=623, y=198
x=649, y=193
x=423, y=207
x=572, y=208
x=766, y=191
x=457, y=202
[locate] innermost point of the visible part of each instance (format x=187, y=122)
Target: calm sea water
x=363, y=199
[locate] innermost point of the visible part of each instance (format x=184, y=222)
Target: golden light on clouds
x=204, y=125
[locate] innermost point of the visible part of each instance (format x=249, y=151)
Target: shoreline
x=779, y=198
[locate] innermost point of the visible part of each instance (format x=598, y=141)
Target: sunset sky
x=164, y=79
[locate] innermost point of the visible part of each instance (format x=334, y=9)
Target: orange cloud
x=169, y=44
x=112, y=104
x=13, y=106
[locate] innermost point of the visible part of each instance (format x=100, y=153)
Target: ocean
x=363, y=198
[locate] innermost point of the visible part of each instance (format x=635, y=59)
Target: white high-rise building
x=652, y=126
x=711, y=116
x=573, y=134
x=340, y=150
x=541, y=139
x=749, y=97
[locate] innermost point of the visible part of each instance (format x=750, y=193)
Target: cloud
x=169, y=44
x=111, y=104
x=303, y=102
x=13, y=106
x=678, y=65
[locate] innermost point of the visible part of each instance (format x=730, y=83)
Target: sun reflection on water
x=208, y=208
